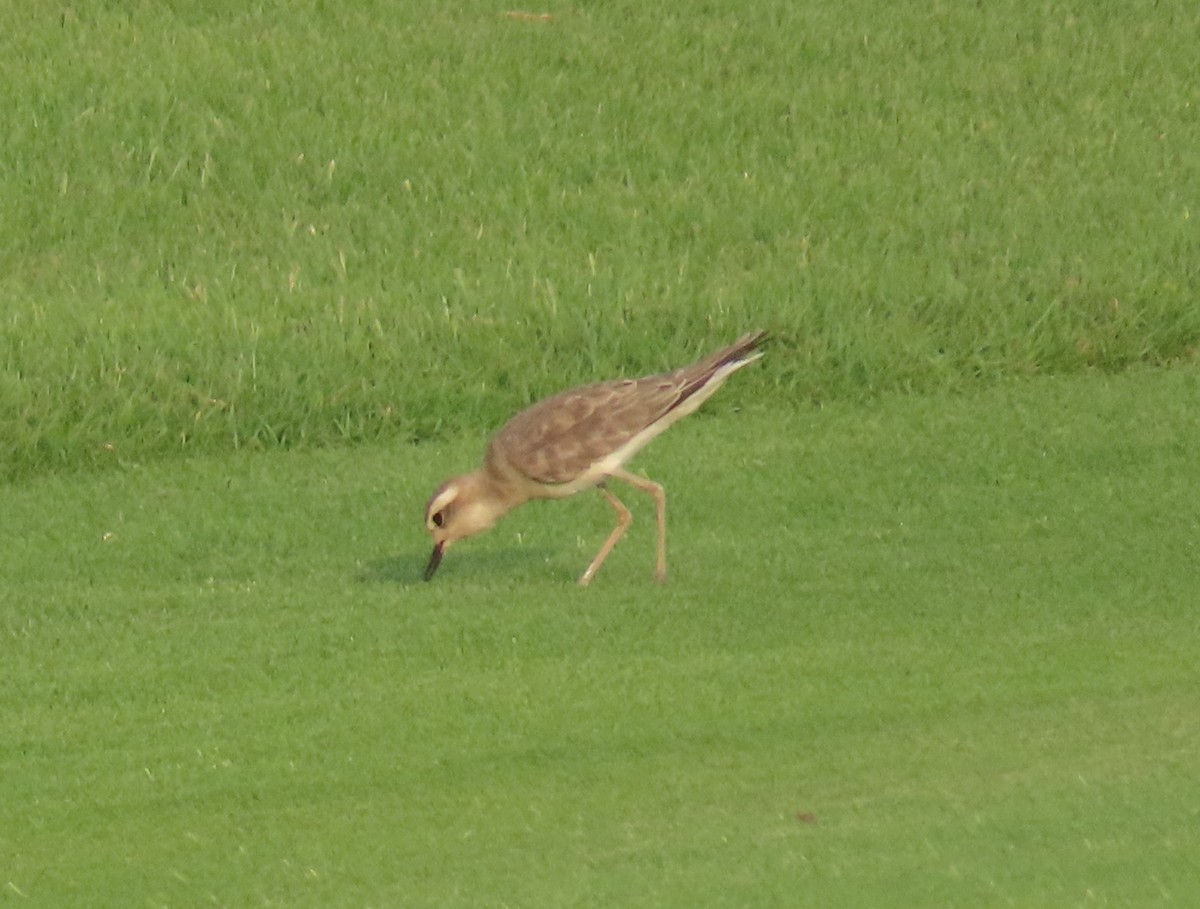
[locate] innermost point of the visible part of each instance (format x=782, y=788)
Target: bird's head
x=459, y=508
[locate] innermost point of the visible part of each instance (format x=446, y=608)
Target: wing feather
x=558, y=439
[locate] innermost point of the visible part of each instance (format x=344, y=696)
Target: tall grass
x=249, y=226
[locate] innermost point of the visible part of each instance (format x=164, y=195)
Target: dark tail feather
x=735, y=351
x=701, y=372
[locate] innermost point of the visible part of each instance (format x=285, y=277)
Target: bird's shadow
x=408, y=569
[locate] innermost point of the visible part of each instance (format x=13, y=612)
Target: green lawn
x=270, y=271
x=929, y=651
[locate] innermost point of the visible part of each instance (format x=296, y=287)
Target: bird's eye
x=439, y=518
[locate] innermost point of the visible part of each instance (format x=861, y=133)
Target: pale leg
x=623, y=521
x=660, y=512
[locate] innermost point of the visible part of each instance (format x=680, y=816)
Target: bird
x=576, y=440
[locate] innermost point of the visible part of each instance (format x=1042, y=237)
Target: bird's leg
x=660, y=513
x=624, y=518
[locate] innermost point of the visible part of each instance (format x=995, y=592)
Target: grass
x=287, y=224
x=930, y=642
x=931, y=650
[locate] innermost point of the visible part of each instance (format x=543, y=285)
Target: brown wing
x=559, y=438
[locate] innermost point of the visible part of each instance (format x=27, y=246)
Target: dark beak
x=435, y=559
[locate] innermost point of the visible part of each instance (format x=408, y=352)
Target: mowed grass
x=930, y=651
x=926, y=649
x=276, y=224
